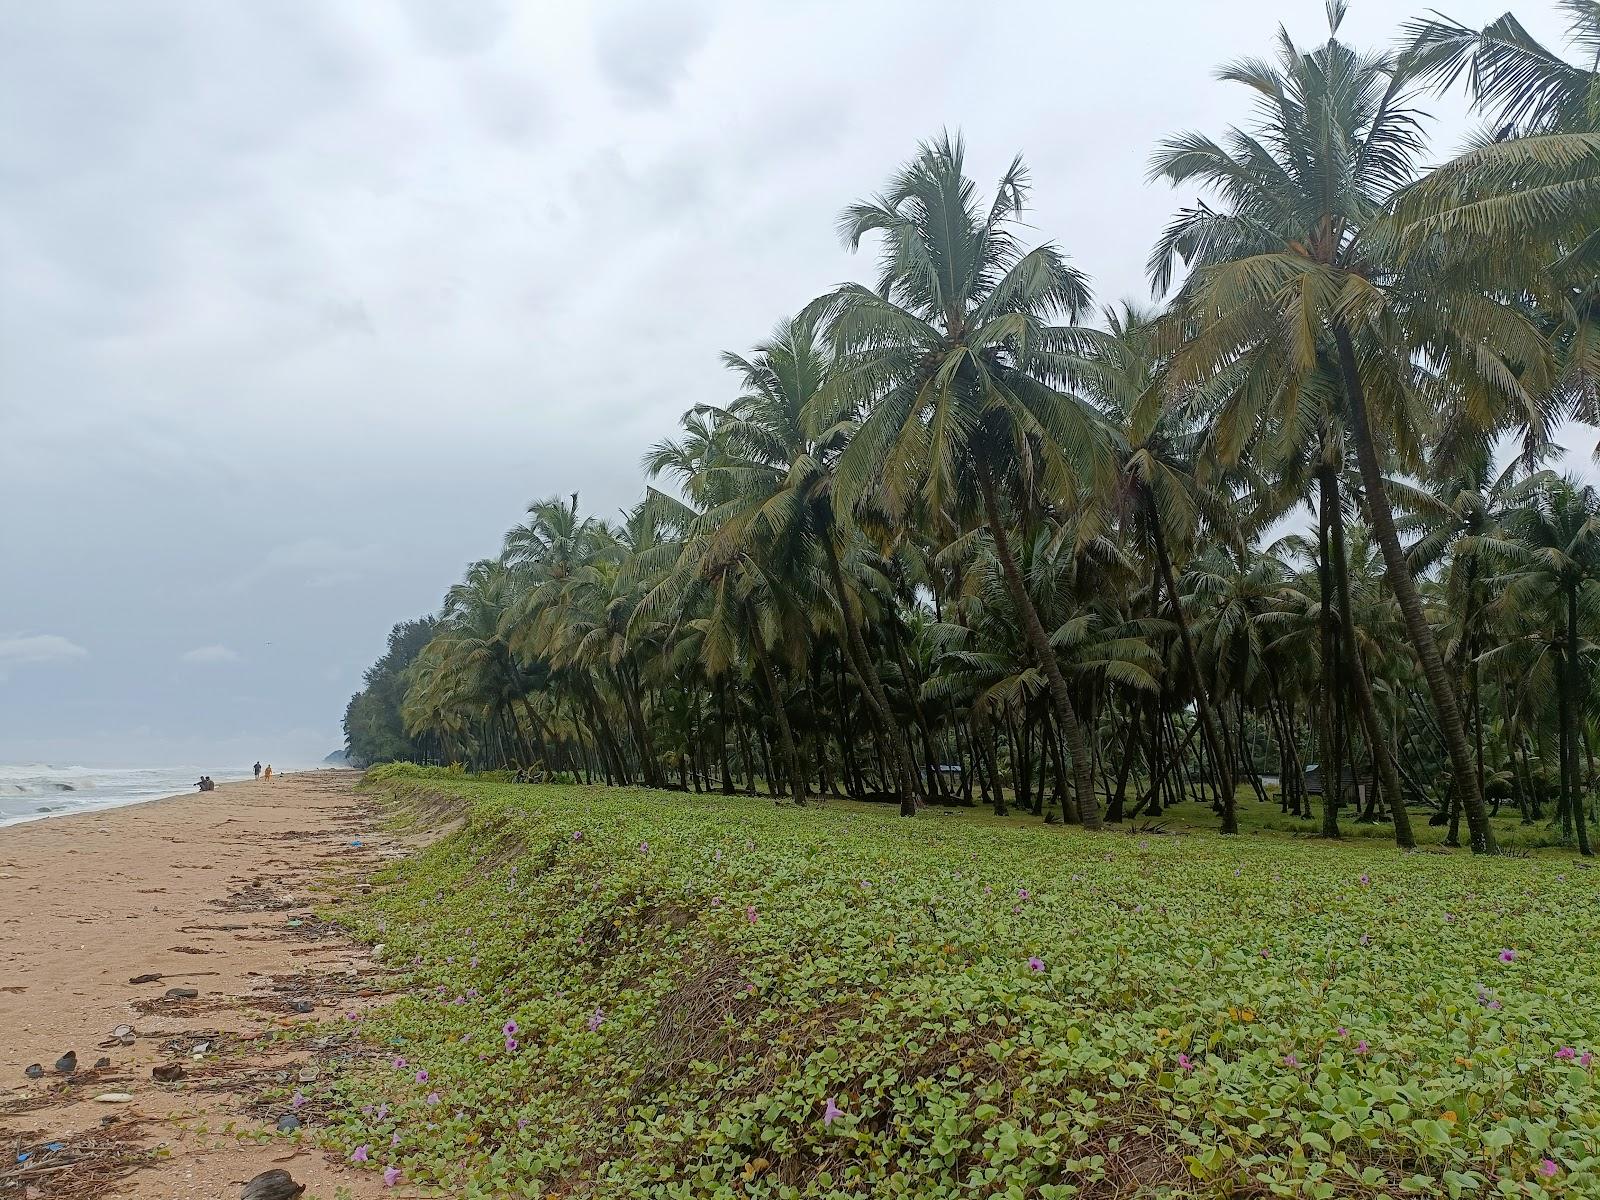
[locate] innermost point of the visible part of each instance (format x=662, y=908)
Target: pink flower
x=1185, y=1063
x=1548, y=1168
x=399, y=1063
x=1264, y=954
x=1022, y=893
x=750, y=913
x=391, y=1176
x=1343, y=1032
x=422, y=1076
x=1586, y=1058
x=1361, y=1046
x=1510, y=956
x=596, y=1019
x=359, y=1154
x=1566, y=1052
x=831, y=1112
x=511, y=1045
x=1289, y=1060
x=509, y=1029
x=1035, y=963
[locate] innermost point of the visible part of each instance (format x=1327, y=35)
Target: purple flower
x=644, y=847
x=1510, y=956
x=298, y=1101
x=596, y=1019
x=1366, y=939
x=1548, y=1168
x=433, y=1097
x=1361, y=1046
x=1289, y=1060
x=359, y=1154
x=750, y=914
x=831, y=1112
x=577, y=835
x=509, y=1029
x=1566, y=1052
x=1185, y=1063
x=1035, y=963
x=391, y=1176
x=394, y=1139
x=399, y=1063
x=511, y=1045
x=1343, y=1032
x=422, y=1076
x=1364, y=879
x=1586, y=1058
x=1022, y=893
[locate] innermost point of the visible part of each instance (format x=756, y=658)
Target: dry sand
x=201, y=889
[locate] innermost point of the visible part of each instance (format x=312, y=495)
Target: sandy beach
x=212, y=892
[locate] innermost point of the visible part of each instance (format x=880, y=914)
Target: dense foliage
x=636, y=993
x=955, y=536
x=374, y=727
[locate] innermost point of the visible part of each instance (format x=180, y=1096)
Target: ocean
x=31, y=791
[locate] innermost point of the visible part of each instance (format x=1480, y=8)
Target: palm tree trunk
x=1404, y=586
x=1044, y=653
x=1579, y=810
x=861, y=661
x=1377, y=741
x=1215, y=739
x=780, y=717
x=1330, y=770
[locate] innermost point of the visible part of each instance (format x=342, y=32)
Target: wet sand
x=212, y=891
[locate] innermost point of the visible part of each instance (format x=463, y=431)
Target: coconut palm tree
x=1297, y=270
x=1556, y=555
x=953, y=371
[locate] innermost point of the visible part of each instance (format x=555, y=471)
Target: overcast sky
x=302, y=301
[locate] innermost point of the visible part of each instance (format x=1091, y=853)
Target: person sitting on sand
x=206, y=784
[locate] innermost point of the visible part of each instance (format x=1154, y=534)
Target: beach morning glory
x=831, y=1112
x=1185, y=1063
x=1548, y=1168
x=509, y=1029
x=433, y=1097
x=391, y=1176
x=359, y=1154
x=422, y=1076
x=1036, y=963
x=1510, y=956
x=596, y=1019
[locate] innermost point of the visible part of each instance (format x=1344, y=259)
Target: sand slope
x=213, y=892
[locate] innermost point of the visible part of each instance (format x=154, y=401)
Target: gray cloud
x=38, y=648
x=644, y=46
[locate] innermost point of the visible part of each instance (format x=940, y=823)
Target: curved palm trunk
x=872, y=686
x=1464, y=780
x=1208, y=716
x=1044, y=653
x=1377, y=740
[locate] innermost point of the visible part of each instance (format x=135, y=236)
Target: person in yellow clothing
x=269, y=773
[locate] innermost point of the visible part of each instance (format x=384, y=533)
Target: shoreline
x=211, y=891
x=14, y=820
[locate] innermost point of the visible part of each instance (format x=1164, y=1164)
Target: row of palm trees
x=955, y=536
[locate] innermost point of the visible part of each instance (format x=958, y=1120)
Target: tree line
x=961, y=537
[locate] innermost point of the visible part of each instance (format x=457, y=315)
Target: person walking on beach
x=269, y=772
x=258, y=770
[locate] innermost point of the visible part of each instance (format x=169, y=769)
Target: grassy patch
x=693, y=985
